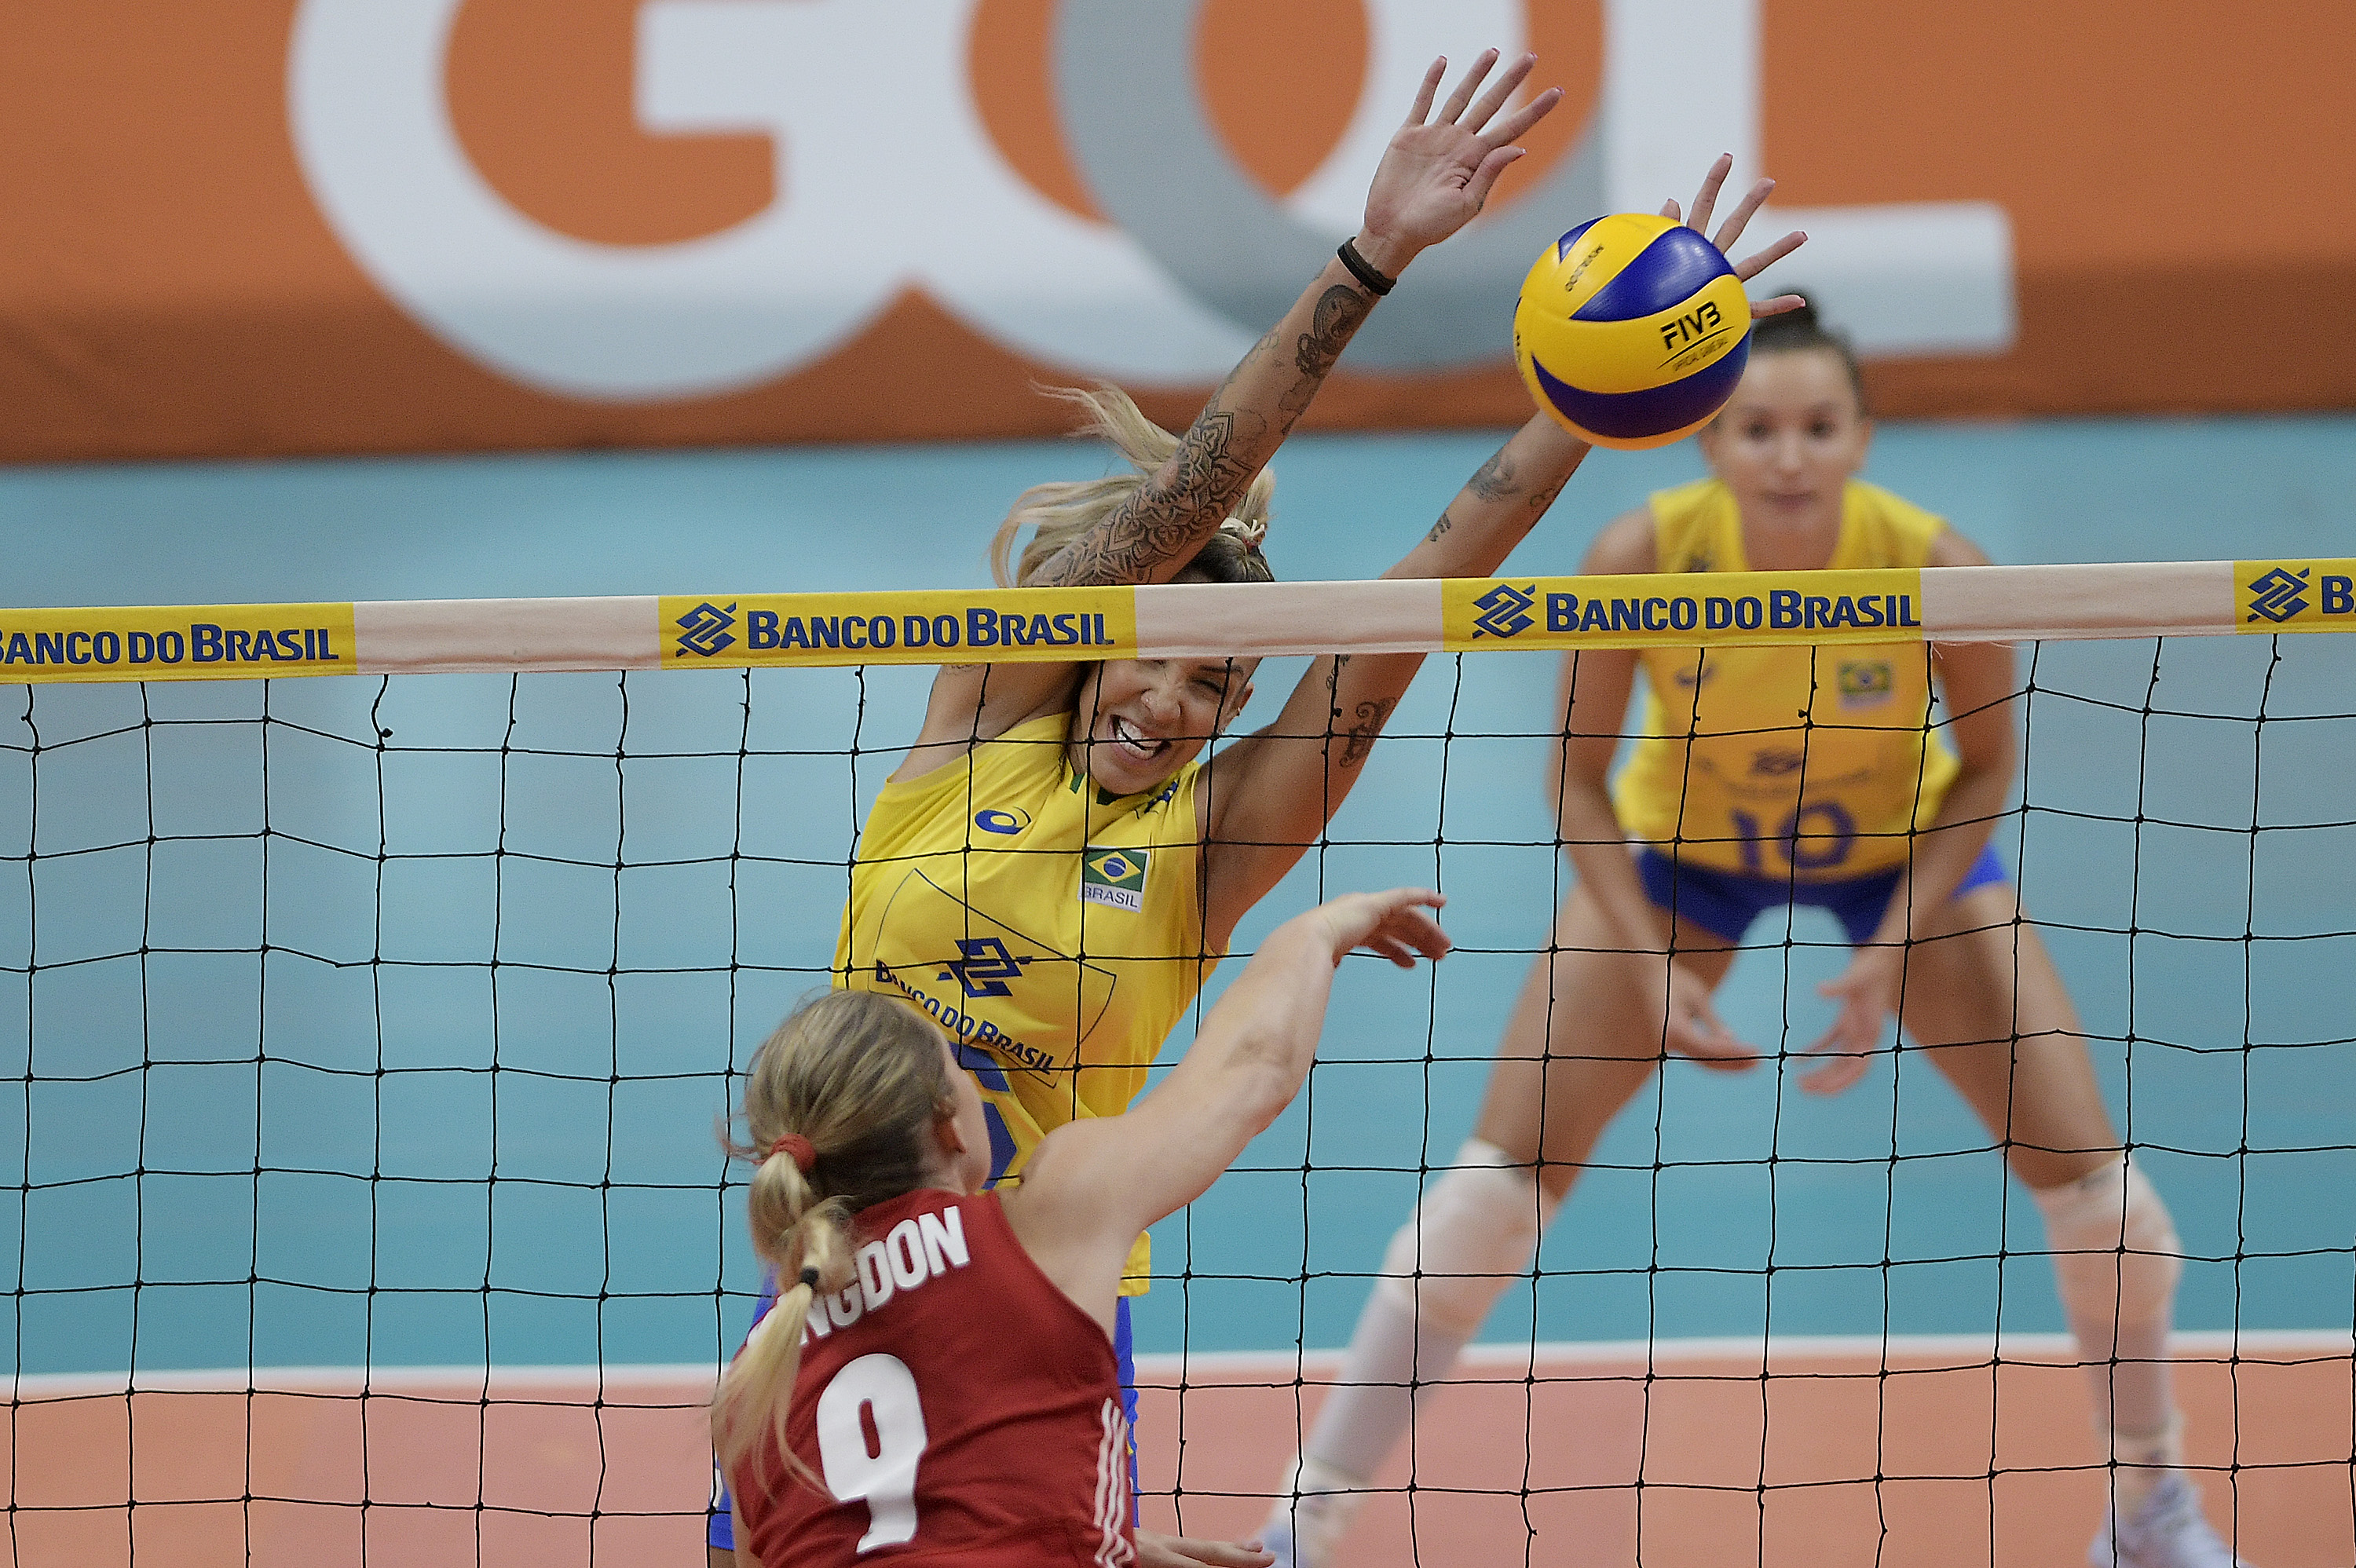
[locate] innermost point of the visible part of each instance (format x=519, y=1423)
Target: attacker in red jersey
x=937, y=1383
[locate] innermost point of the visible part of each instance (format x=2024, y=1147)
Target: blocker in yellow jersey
x=1053, y=929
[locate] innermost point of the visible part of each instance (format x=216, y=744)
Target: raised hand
x=1391, y=923
x=1705, y=199
x=1434, y=177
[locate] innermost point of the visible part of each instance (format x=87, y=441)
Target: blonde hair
x=1062, y=510
x=859, y=1075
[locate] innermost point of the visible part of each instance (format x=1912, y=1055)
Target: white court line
x=1969, y=1349
x=688, y=1380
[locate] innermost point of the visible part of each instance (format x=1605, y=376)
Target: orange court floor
x=1931, y=1453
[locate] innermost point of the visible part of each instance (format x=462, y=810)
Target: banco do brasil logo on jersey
x=1504, y=611
x=704, y=629
x=2278, y=595
x=984, y=967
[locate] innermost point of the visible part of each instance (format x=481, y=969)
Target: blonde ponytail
x=1063, y=510
x=809, y=1252
x=856, y=1078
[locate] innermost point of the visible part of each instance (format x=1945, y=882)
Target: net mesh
x=369, y=1033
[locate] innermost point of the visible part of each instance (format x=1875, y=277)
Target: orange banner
x=256, y=227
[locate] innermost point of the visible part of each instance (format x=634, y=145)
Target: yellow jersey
x=1813, y=763
x=1055, y=932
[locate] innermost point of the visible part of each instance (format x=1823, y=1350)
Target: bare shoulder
x=1951, y=547
x=1062, y=1171
x=1072, y=1193
x=970, y=704
x=1628, y=544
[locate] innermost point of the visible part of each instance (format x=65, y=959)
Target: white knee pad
x=2115, y=1255
x=1475, y=1229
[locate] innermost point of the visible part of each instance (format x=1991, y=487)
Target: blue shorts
x=1724, y=903
x=722, y=1535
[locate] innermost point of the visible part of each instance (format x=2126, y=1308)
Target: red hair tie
x=805, y=1153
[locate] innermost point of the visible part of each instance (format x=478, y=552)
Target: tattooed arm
x=1432, y=179
x=1270, y=796
x=1157, y=531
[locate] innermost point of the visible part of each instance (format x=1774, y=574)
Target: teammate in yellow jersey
x=1727, y=810
x=1055, y=868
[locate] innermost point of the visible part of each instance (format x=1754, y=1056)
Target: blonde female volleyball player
x=1725, y=811
x=939, y=1379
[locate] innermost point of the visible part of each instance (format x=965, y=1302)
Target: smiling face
x=1788, y=441
x=1137, y=722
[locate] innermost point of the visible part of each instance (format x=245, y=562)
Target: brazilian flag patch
x=1867, y=683
x=1114, y=877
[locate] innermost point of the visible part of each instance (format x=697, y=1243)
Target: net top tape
x=1978, y=603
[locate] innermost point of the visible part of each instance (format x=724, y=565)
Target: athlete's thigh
x=1984, y=1001
x=1584, y=1035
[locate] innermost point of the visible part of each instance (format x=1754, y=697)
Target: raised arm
x=1433, y=177
x=1095, y=1183
x=1270, y=794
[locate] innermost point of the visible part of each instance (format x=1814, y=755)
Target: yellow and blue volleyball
x=1631, y=331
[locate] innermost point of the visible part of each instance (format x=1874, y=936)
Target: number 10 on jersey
x=1816, y=838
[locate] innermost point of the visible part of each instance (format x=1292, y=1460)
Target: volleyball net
x=366, y=1036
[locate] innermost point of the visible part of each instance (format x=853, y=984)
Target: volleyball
x=1631, y=330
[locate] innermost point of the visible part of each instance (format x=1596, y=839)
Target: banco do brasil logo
x=2278, y=595
x=1504, y=611
x=704, y=629
x=985, y=968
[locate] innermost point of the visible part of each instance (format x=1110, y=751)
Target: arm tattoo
x=1439, y=527
x=1339, y=311
x=1494, y=479
x=1359, y=739
x=1158, y=523
x=1362, y=735
x=1226, y=446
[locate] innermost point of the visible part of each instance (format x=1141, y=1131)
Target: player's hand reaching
x=1392, y=924
x=1158, y=1550
x=1868, y=993
x=1692, y=1028
x=1729, y=232
x=1434, y=177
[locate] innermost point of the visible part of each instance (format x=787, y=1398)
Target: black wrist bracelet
x=1364, y=270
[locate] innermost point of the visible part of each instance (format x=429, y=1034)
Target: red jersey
x=958, y=1406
